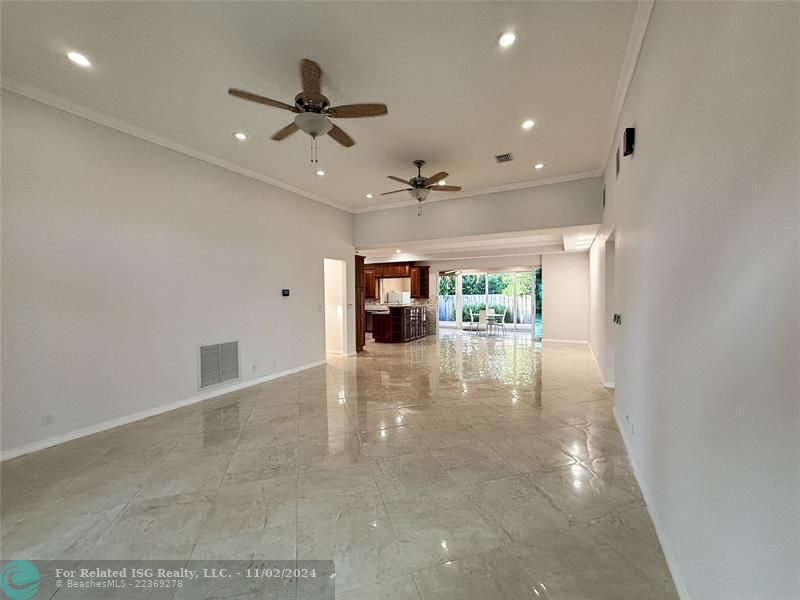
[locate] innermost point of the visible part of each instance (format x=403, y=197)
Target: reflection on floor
x=468, y=467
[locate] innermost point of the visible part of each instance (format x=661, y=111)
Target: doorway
x=335, y=284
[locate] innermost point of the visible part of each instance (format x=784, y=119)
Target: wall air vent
x=219, y=363
x=501, y=158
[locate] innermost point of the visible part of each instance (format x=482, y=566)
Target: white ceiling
x=455, y=97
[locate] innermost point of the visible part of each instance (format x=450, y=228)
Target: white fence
x=447, y=305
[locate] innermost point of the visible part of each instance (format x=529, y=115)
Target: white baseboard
x=565, y=341
x=143, y=414
x=672, y=564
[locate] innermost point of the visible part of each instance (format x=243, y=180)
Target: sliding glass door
x=473, y=298
x=447, y=300
x=523, y=300
x=516, y=294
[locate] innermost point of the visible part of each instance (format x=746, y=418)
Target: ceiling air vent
x=501, y=158
x=219, y=363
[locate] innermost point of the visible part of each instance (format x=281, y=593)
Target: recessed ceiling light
x=79, y=59
x=369, y=196
x=538, y=166
x=443, y=182
x=528, y=124
x=321, y=173
x=397, y=251
x=241, y=136
x=507, y=38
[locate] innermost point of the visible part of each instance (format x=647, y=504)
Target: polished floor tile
x=463, y=467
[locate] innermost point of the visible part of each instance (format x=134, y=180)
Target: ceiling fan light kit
x=314, y=124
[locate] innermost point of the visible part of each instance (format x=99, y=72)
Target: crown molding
x=488, y=190
x=641, y=19
x=39, y=95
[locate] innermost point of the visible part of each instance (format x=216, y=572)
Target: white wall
x=558, y=205
x=565, y=296
x=602, y=332
x=120, y=258
x=706, y=216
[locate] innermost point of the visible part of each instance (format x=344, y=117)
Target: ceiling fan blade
x=261, y=99
x=310, y=74
x=282, y=134
x=352, y=111
x=444, y=188
x=437, y=177
x=396, y=192
x=399, y=179
x=341, y=137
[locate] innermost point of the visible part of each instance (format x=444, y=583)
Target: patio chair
x=473, y=320
x=488, y=320
x=500, y=322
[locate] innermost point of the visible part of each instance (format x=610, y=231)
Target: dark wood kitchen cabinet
x=420, y=282
x=361, y=314
x=370, y=283
x=391, y=270
x=400, y=324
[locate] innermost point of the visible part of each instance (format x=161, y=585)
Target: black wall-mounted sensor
x=284, y=292
x=628, y=141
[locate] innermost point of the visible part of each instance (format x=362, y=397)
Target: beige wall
x=706, y=216
x=120, y=258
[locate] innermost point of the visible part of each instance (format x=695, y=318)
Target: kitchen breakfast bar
x=399, y=324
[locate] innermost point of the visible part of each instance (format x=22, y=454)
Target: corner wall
x=120, y=258
x=565, y=297
x=705, y=217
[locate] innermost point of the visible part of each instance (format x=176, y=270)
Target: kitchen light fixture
x=528, y=124
x=240, y=135
x=507, y=38
x=369, y=196
x=538, y=166
x=397, y=251
x=321, y=173
x=79, y=59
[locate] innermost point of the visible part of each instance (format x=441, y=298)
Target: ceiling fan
x=422, y=186
x=314, y=111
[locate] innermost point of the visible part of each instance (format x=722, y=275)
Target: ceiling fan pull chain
x=419, y=209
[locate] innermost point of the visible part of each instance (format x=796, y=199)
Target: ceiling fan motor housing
x=314, y=124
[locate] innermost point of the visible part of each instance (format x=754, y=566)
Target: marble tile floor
x=465, y=467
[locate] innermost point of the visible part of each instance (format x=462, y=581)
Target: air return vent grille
x=501, y=158
x=219, y=363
